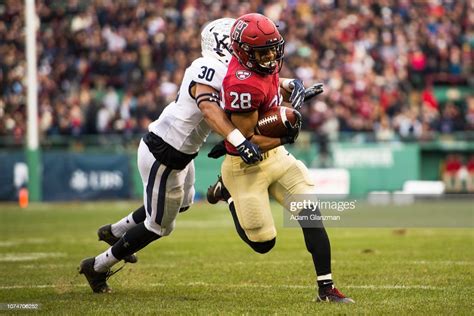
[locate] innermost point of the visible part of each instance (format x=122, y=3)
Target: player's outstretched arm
x=207, y=100
x=294, y=92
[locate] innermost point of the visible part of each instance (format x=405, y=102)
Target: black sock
x=139, y=215
x=317, y=244
x=325, y=284
x=133, y=240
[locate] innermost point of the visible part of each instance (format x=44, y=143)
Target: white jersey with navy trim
x=182, y=124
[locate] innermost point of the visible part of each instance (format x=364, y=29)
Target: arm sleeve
x=241, y=98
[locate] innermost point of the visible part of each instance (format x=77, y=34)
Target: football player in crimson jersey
x=165, y=157
x=250, y=88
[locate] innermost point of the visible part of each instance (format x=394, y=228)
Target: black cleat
x=105, y=234
x=331, y=294
x=97, y=280
x=214, y=192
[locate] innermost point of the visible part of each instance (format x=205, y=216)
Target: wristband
x=286, y=84
x=235, y=138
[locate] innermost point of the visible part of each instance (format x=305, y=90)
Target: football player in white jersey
x=166, y=153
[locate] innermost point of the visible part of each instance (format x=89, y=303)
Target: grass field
x=204, y=268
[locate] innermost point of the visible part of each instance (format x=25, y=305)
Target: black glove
x=293, y=130
x=313, y=91
x=297, y=93
x=249, y=152
x=217, y=151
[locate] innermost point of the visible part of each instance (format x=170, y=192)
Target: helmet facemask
x=268, y=59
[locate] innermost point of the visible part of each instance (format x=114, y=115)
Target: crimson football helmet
x=257, y=44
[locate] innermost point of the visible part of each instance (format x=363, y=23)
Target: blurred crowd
x=457, y=173
x=112, y=66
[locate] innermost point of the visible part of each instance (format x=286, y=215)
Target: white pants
x=165, y=191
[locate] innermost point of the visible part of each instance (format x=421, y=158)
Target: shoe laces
x=110, y=272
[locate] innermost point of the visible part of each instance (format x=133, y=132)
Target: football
x=272, y=122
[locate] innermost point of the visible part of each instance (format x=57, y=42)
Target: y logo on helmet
x=242, y=74
x=238, y=30
x=220, y=43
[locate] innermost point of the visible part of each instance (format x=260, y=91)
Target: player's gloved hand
x=217, y=151
x=293, y=130
x=297, y=93
x=249, y=152
x=313, y=91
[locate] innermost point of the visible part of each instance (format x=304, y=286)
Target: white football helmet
x=215, y=40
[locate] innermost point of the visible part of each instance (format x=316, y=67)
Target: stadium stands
x=112, y=66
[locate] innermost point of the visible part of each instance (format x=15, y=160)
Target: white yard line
x=38, y=286
x=443, y=262
x=169, y=265
x=27, y=241
x=394, y=287
x=241, y=285
x=8, y=243
x=29, y=256
x=44, y=266
x=12, y=287
x=296, y=286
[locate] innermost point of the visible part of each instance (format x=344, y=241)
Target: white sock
x=325, y=280
x=324, y=277
x=121, y=227
x=105, y=261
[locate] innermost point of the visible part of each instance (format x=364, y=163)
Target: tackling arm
x=213, y=114
x=208, y=102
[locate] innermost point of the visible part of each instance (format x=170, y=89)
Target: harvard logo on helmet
x=238, y=30
x=242, y=74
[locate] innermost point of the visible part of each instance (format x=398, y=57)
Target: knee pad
x=188, y=196
x=158, y=229
x=261, y=235
x=251, y=216
x=167, y=231
x=173, y=202
x=263, y=247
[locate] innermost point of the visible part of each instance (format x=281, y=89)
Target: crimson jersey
x=245, y=91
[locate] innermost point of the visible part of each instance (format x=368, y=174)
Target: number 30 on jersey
x=241, y=100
